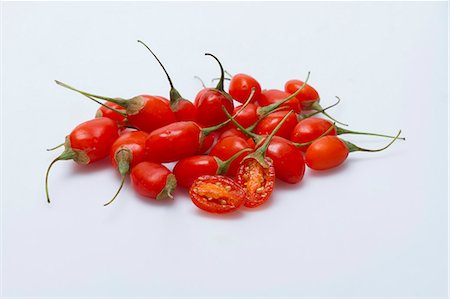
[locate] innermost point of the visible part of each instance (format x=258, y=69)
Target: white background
x=375, y=227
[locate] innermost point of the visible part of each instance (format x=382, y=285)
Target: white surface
x=375, y=227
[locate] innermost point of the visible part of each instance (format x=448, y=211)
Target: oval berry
x=241, y=87
x=153, y=180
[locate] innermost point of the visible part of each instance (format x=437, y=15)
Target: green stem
x=317, y=107
x=260, y=153
x=68, y=154
x=265, y=145
x=354, y=148
x=247, y=132
x=201, y=81
x=323, y=134
x=53, y=148
x=123, y=113
x=303, y=116
x=262, y=111
x=121, y=102
x=174, y=94
x=118, y=191
x=227, y=73
x=222, y=73
x=255, y=124
x=341, y=131
x=215, y=79
x=123, y=158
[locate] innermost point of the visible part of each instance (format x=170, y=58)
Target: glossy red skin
x=165, y=100
x=272, y=96
x=173, y=142
x=149, y=179
x=94, y=137
x=232, y=132
x=233, y=202
x=208, y=142
x=237, y=133
x=134, y=142
x=287, y=160
x=268, y=124
x=247, y=117
x=187, y=170
x=185, y=111
x=154, y=114
x=105, y=112
x=226, y=147
x=326, y=152
x=310, y=129
x=256, y=199
x=199, y=95
x=209, y=108
x=251, y=142
x=241, y=86
x=307, y=95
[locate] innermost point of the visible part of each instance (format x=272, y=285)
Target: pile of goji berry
x=226, y=156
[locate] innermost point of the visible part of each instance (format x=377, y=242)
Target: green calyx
x=135, y=105
x=259, y=156
x=354, y=148
x=123, y=158
x=175, y=97
x=166, y=192
x=260, y=153
x=307, y=105
x=223, y=166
